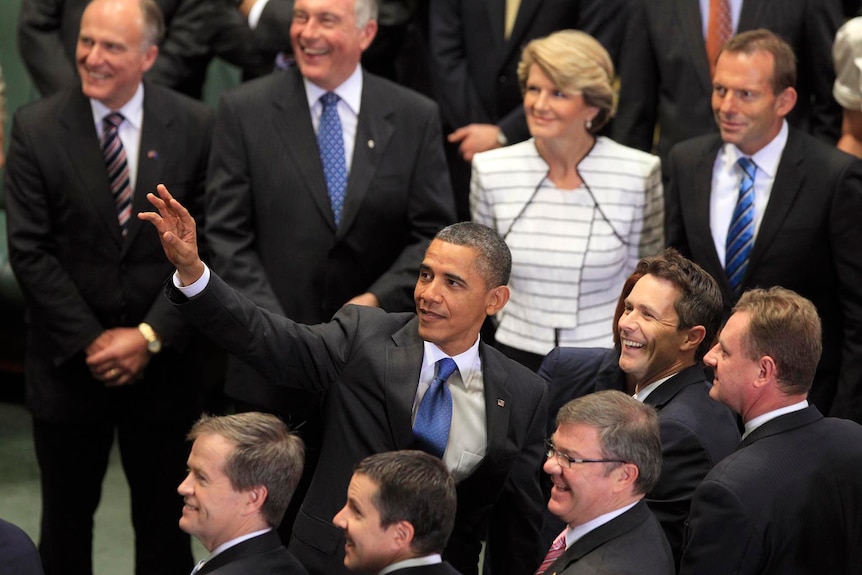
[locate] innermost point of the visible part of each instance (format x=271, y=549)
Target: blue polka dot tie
x=330, y=140
x=740, y=235
x=434, y=416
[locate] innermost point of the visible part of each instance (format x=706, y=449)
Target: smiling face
x=213, y=511
x=326, y=43
x=585, y=490
x=111, y=56
x=452, y=299
x=553, y=113
x=748, y=112
x=368, y=547
x=652, y=345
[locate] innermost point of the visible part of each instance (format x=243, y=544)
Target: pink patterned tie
x=557, y=549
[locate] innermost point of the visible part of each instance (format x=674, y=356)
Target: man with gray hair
x=604, y=456
x=243, y=470
x=399, y=514
x=789, y=499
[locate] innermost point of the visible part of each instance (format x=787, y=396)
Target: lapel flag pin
x=371, y=144
x=501, y=403
x=152, y=155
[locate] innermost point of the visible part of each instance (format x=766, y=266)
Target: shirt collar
x=237, y=541
x=644, y=392
x=767, y=158
x=432, y=559
x=132, y=111
x=350, y=91
x=575, y=533
x=467, y=362
x=753, y=424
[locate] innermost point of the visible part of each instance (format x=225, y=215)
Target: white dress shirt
x=129, y=131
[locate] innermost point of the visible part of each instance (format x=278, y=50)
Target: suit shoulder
x=522, y=375
x=398, y=94
x=696, y=145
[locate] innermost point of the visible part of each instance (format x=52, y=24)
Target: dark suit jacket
x=665, y=78
x=788, y=501
x=475, y=68
x=78, y=274
x=369, y=362
x=269, y=219
x=696, y=432
x=48, y=35
x=262, y=554
x=808, y=241
x=437, y=569
x=18, y=555
x=630, y=544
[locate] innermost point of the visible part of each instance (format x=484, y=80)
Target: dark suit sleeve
x=186, y=45
x=684, y=465
x=634, y=124
x=41, y=45
x=720, y=536
x=230, y=227
x=514, y=533
x=430, y=208
x=458, y=99
x=846, y=237
x=68, y=321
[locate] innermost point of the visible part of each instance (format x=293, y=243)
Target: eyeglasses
x=565, y=460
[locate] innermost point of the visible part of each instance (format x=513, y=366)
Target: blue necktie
x=740, y=235
x=118, y=168
x=434, y=416
x=331, y=143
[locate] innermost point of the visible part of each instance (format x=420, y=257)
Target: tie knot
x=329, y=99
x=445, y=368
x=748, y=166
x=114, y=119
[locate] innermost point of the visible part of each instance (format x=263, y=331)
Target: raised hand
x=176, y=229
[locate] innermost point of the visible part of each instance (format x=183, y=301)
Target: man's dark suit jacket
x=369, y=362
x=631, y=544
x=665, y=78
x=269, y=217
x=263, y=554
x=475, y=68
x=18, y=554
x=696, y=432
x=437, y=569
x=78, y=274
x=808, y=241
x=789, y=500
x=194, y=30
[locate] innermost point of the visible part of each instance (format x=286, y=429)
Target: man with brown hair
x=789, y=500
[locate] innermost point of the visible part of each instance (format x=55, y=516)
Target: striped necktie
x=740, y=235
x=554, y=553
x=719, y=29
x=434, y=416
x=118, y=168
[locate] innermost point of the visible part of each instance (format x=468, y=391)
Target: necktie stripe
x=740, y=234
x=118, y=168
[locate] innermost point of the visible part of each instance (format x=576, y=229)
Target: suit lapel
x=788, y=181
x=526, y=12
x=782, y=424
x=668, y=390
x=373, y=131
x=691, y=26
x=400, y=380
x=498, y=405
x=292, y=123
x=496, y=10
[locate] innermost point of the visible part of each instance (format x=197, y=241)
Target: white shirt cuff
x=197, y=287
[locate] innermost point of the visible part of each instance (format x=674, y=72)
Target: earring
x=588, y=125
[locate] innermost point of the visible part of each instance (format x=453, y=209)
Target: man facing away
x=243, y=470
x=399, y=514
x=485, y=415
x=603, y=457
x=789, y=500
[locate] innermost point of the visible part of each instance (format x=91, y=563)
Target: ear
x=767, y=372
x=785, y=101
x=404, y=533
x=626, y=475
x=255, y=498
x=692, y=337
x=368, y=32
x=496, y=299
x=150, y=55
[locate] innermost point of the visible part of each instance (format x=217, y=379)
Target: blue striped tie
x=118, y=168
x=434, y=416
x=740, y=235
x=330, y=140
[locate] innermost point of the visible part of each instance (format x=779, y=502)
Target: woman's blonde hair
x=575, y=62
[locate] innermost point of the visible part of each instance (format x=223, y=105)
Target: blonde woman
x=577, y=210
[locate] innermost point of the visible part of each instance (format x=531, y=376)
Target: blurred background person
x=847, y=90
x=2, y=117
x=577, y=210
x=243, y=470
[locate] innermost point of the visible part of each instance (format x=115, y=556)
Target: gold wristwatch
x=154, y=344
